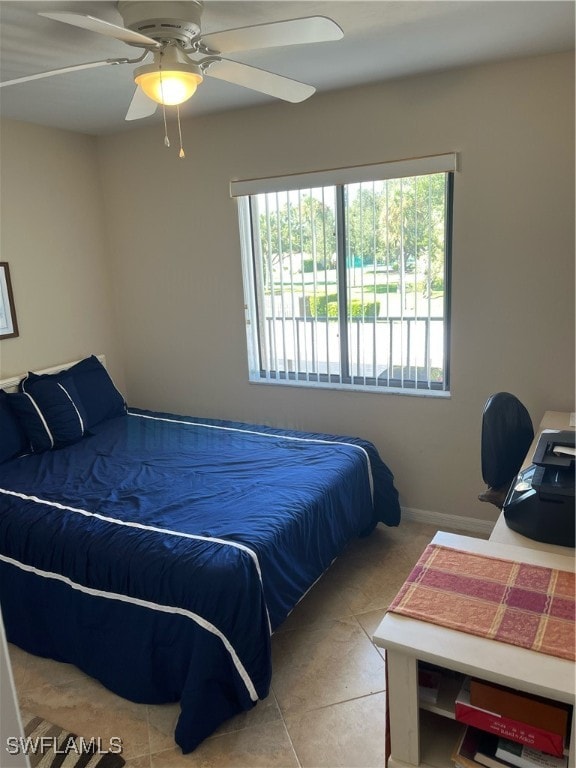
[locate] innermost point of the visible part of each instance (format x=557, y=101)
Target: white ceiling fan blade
x=140, y=106
x=61, y=71
x=260, y=80
x=102, y=27
x=313, y=29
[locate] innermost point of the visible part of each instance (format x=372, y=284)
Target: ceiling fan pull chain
x=181, y=153
x=166, y=139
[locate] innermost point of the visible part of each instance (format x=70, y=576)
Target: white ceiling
x=382, y=39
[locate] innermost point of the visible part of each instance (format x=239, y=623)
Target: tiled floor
x=327, y=703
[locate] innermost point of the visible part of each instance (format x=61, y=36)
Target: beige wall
x=52, y=237
x=174, y=239
x=175, y=258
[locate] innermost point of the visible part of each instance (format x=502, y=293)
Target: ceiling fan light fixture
x=168, y=87
x=171, y=79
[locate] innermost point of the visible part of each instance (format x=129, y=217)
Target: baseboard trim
x=444, y=520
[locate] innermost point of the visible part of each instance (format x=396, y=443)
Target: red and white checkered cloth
x=526, y=605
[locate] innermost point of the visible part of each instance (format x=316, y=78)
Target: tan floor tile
x=88, y=709
x=161, y=725
x=139, y=762
x=322, y=602
x=265, y=711
x=267, y=746
x=346, y=735
x=330, y=663
x=420, y=536
x=43, y=671
x=19, y=662
x=162, y=721
x=371, y=583
x=383, y=537
x=370, y=621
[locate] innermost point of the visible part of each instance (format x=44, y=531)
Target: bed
x=159, y=552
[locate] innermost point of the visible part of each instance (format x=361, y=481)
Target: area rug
x=517, y=603
x=49, y=746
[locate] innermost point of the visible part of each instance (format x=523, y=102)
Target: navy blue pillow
x=50, y=412
x=13, y=441
x=98, y=395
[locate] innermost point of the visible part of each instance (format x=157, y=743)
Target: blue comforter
x=159, y=553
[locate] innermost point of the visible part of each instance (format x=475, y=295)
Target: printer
x=540, y=502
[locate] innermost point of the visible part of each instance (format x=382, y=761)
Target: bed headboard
x=11, y=384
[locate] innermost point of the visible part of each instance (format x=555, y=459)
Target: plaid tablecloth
x=526, y=605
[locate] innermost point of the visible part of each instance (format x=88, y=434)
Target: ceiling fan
x=170, y=33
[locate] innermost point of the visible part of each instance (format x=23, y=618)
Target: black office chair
x=507, y=433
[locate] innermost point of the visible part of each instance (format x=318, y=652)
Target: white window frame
x=243, y=189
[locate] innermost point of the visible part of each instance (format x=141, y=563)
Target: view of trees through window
x=351, y=282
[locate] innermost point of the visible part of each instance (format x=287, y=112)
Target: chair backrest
x=506, y=436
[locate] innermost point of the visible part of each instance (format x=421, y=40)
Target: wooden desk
x=504, y=535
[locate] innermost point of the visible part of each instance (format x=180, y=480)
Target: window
x=347, y=276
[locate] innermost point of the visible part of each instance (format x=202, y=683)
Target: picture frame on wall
x=8, y=323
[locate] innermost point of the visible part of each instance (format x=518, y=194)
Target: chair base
x=496, y=496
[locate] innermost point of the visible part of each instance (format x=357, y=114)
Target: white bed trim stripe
x=144, y=604
x=41, y=416
x=152, y=528
x=69, y=396
x=131, y=524
x=267, y=434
